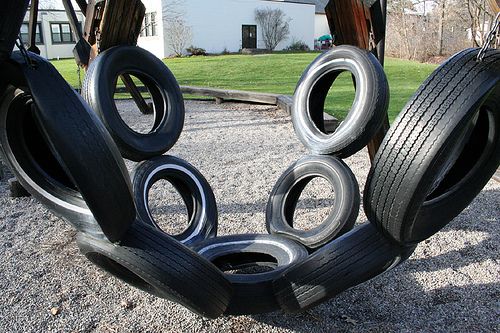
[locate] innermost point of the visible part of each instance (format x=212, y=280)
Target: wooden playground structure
x=360, y=23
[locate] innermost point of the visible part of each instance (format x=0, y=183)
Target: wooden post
x=136, y=94
x=113, y=23
x=377, y=139
x=83, y=6
x=362, y=24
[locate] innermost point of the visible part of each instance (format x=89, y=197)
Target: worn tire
x=82, y=146
x=356, y=257
x=253, y=292
x=28, y=155
x=285, y=195
x=156, y=263
x=366, y=115
x=191, y=185
x=440, y=152
x=99, y=87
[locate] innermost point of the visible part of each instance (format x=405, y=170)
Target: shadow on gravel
x=399, y=300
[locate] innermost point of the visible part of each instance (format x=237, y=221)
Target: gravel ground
x=451, y=282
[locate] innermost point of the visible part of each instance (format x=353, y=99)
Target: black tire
x=368, y=110
x=356, y=257
x=191, y=185
x=156, y=263
x=29, y=157
x=286, y=193
x=99, y=87
x=82, y=146
x=266, y=255
x=440, y=152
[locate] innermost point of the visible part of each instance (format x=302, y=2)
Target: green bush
x=196, y=51
x=298, y=46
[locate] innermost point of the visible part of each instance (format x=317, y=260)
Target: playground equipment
x=436, y=157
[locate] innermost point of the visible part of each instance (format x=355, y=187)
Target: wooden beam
x=236, y=95
x=361, y=23
x=136, y=94
x=82, y=4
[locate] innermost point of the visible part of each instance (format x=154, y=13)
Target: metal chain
x=492, y=36
x=24, y=52
x=79, y=79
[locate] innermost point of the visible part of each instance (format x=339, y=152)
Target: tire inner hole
x=467, y=158
x=167, y=207
x=333, y=97
x=246, y=263
x=314, y=204
x=40, y=156
x=131, y=87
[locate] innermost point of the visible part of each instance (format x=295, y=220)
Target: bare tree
x=481, y=16
x=274, y=26
x=178, y=35
x=172, y=10
x=50, y=4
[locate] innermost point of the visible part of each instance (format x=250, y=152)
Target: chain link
x=79, y=79
x=24, y=52
x=492, y=36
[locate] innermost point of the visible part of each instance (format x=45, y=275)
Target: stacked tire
x=255, y=260
x=440, y=152
x=65, y=157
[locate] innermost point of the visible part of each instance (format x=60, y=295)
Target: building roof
x=320, y=4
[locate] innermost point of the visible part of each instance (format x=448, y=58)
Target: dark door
x=249, y=36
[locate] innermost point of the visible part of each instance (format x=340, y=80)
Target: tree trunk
x=441, y=28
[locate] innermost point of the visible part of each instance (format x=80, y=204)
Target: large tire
x=440, y=151
x=253, y=291
x=82, y=146
x=366, y=115
x=99, y=88
x=191, y=185
x=28, y=155
x=156, y=263
x=285, y=194
x=356, y=257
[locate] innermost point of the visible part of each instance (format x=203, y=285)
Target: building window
x=25, y=33
x=61, y=33
x=149, y=25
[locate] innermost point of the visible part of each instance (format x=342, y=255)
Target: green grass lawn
x=278, y=73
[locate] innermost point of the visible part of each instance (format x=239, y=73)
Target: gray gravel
x=451, y=282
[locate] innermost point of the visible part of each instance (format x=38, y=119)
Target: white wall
x=48, y=49
x=154, y=44
x=321, y=26
x=217, y=25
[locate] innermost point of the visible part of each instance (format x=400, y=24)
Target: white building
x=218, y=25
x=54, y=36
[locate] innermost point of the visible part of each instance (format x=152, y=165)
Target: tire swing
x=439, y=153
x=363, y=120
x=194, y=189
x=448, y=139
x=28, y=155
x=150, y=260
x=167, y=102
x=59, y=120
x=58, y=174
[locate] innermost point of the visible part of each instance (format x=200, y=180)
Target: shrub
x=298, y=46
x=196, y=51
